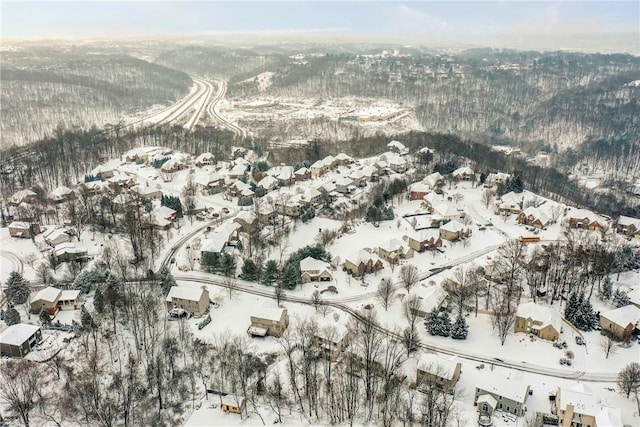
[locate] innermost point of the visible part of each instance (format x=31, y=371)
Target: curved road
x=212, y=109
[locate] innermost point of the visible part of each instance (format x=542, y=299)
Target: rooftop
x=18, y=334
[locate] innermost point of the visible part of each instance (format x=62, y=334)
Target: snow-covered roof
x=585, y=214
x=488, y=399
x=452, y=226
x=446, y=210
x=536, y=214
x=396, y=144
x=318, y=164
x=311, y=194
x=247, y=192
x=464, y=170
x=581, y=397
x=312, y=264
x=19, y=225
x=369, y=170
x=420, y=187
x=343, y=157
x=246, y=216
x=513, y=389
x=49, y=294
x=268, y=182
x=439, y=366
x=627, y=221
x=608, y=416
x=268, y=313
x=431, y=198
x=623, y=316
x=362, y=256
x=69, y=295
x=344, y=181
x=18, y=334
x=54, y=233
x=69, y=248
x=424, y=235
x=19, y=196
x=185, y=293
x=512, y=198
x=430, y=297
x=281, y=172
x=302, y=171
x=165, y=212
x=392, y=245
x=60, y=192
x=238, y=170
x=205, y=157
x=539, y=313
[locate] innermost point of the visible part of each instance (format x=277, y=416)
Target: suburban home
x=23, y=196
x=394, y=250
x=283, y=174
x=95, y=187
x=431, y=200
x=330, y=161
x=331, y=340
x=358, y=178
x=432, y=297
x=121, y=180
x=172, y=165
x=397, y=147
x=231, y=403
x=362, y=262
x=18, y=340
x=435, y=180
x=318, y=168
x=315, y=270
x=23, y=229
x=509, y=394
x=205, y=159
x=371, y=173
x=464, y=173
x=345, y=185
x=577, y=406
x=103, y=171
x=69, y=251
x=398, y=164
x=147, y=192
x=439, y=372
x=210, y=183
x=423, y=240
x=56, y=236
x=447, y=211
x=538, y=320
x=46, y=299
x=621, y=322
x=238, y=171
x=497, y=178
x=268, y=321
x=267, y=213
x=311, y=196
x=167, y=213
x=418, y=190
x=238, y=188
x=510, y=203
x=69, y=299
x=628, y=226
x=247, y=220
x=453, y=231
x=344, y=159
x=61, y=194
x=582, y=218
x=289, y=206
x=533, y=217
x=193, y=300
x=302, y=174
x=268, y=183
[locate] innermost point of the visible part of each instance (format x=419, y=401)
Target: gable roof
x=623, y=316
x=362, y=256
x=453, y=226
x=268, y=313
x=513, y=389
x=185, y=293
x=438, y=366
x=312, y=264
x=49, y=294
x=18, y=334
x=465, y=170
x=392, y=245
x=446, y=210
x=544, y=315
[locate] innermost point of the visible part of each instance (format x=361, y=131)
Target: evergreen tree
x=86, y=320
x=620, y=298
x=432, y=322
x=11, y=317
x=571, y=308
x=227, y=265
x=17, y=288
x=308, y=214
x=270, y=273
x=290, y=276
x=607, y=289
x=208, y=262
x=45, y=318
x=460, y=329
x=98, y=301
x=249, y=270
x=83, y=282
x=445, y=324
x=166, y=280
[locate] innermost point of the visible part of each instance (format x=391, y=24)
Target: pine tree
x=249, y=270
x=290, y=276
x=460, y=329
x=208, y=262
x=571, y=308
x=17, y=288
x=270, y=273
x=45, y=318
x=607, y=289
x=83, y=282
x=432, y=322
x=620, y=298
x=166, y=280
x=445, y=324
x=11, y=317
x=98, y=301
x=227, y=265
x=86, y=320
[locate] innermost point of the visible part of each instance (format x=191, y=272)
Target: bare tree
x=316, y=299
x=629, y=381
x=487, y=197
x=608, y=346
x=460, y=288
x=409, y=276
x=279, y=294
x=502, y=323
x=231, y=285
x=19, y=388
x=385, y=292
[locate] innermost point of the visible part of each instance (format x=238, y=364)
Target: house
x=582, y=218
x=23, y=196
x=394, y=250
x=210, y=183
x=358, y=178
x=577, y=406
x=233, y=404
x=311, y=196
x=433, y=199
x=121, y=180
x=435, y=180
x=344, y=159
x=69, y=251
x=289, y=205
x=423, y=240
x=398, y=164
x=167, y=213
x=283, y=174
x=432, y=297
x=344, y=185
x=238, y=188
x=95, y=187
x=172, y=165
x=330, y=162
x=18, y=340
x=371, y=173
x=453, y=231
x=268, y=321
x=315, y=270
x=495, y=179
x=538, y=320
x=318, y=168
x=103, y=171
x=146, y=192
x=217, y=241
x=267, y=213
x=61, y=194
x=56, y=236
x=418, y=190
x=193, y=300
x=205, y=159
x=621, y=322
x=23, y=229
x=247, y=220
x=302, y=174
x=439, y=372
x=362, y=262
x=464, y=173
x=331, y=339
x=268, y=183
x=510, y=203
x=628, y=226
x=509, y=394
x=238, y=171
x=447, y=211
x=69, y=299
x=533, y=217
x=46, y=299
x=397, y=147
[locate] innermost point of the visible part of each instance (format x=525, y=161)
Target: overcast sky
x=428, y=20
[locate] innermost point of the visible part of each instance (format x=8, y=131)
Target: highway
x=212, y=109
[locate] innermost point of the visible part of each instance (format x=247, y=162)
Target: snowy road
x=212, y=109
